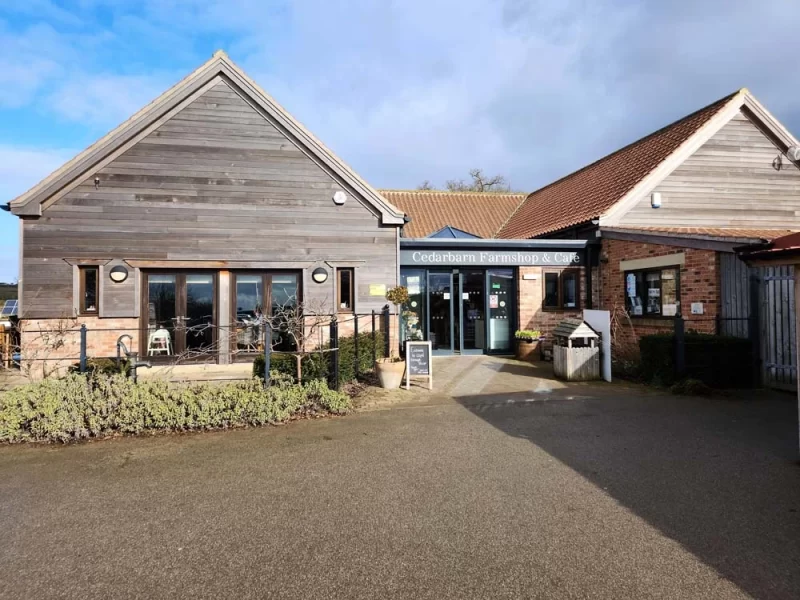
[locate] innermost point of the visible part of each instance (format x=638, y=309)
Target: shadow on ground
x=720, y=476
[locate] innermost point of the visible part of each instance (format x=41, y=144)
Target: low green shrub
x=318, y=365
x=104, y=366
x=690, y=387
x=81, y=406
x=347, y=355
x=718, y=361
x=527, y=334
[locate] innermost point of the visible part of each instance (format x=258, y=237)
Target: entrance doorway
x=178, y=314
x=462, y=310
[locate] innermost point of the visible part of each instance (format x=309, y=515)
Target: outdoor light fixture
x=319, y=275
x=118, y=274
x=655, y=199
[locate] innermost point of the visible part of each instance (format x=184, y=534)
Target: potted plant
x=528, y=341
x=390, y=369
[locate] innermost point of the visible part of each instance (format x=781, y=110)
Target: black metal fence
x=68, y=345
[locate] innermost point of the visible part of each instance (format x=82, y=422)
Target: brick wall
x=699, y=282
x=530, y=293
x=50, y=346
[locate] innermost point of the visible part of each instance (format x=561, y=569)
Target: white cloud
x=29, y=60
x=103, y=100
x=20, y=169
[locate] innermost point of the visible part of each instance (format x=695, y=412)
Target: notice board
x=418, y=362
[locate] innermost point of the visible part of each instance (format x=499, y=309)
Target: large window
x=257, y=296
x=653, y=293
x=561, y=290
x=89, y=290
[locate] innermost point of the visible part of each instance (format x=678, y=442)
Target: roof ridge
x=511, y=216
x=474, y=192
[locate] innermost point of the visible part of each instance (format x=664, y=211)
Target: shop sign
x=490, y=258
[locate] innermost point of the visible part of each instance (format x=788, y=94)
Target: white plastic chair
x=159, y=342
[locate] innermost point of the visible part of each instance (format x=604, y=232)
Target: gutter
x=533, y=244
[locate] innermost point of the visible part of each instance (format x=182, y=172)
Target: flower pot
x=390, y=374
x=527, y=350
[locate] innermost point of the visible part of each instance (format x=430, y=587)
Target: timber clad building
x=213, y=205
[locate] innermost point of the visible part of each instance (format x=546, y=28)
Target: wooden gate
x=778, y=327
x=774, y=316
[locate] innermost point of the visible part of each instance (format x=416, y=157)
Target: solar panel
x=9, y=308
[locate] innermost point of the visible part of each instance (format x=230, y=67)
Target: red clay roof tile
x=479, y=213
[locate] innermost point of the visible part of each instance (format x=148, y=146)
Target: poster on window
x=670, y=310
x=630, y=284
x=493, y=301
x=413, y=285
x=654, y=292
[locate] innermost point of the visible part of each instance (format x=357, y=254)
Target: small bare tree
x=479, y=183
x=624, y=348
x=47, y=348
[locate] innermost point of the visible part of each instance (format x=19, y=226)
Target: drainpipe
x=406, y=221
x=589, y=277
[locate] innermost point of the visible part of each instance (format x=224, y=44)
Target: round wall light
x=319, y=275
x=118, y=274
x=339, y=198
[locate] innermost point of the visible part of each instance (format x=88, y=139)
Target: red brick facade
x=50, y=346
x=531, y=292
x=699, y=282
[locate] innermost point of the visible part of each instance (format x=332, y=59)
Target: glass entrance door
x=500, y=283
x=440, y=311
x=179, y=315
x=198, y=315
x=473, y=311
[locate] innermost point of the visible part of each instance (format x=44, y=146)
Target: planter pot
x=390, y=374
x=528, y=350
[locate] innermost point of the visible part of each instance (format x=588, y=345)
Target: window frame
x=82, y=309
x=266, y=282
x=644, y=272
x=560, y=274
x=352, y=287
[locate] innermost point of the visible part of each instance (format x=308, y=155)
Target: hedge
x=716, y=360
x=318, y=366
x=81, y=406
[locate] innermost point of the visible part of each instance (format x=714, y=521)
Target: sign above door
x=491, y=258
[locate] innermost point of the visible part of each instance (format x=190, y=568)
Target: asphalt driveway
x=566, y=493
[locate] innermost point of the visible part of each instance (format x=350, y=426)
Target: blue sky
x=402, y=90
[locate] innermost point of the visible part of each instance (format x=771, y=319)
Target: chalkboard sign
x=418, y=362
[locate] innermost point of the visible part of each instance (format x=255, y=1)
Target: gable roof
x=606, y=187
x=219, y=67
x=479, y=213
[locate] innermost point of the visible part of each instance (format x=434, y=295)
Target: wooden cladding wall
x=217, y=182
x=730, y=181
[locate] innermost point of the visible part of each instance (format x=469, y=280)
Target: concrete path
x=582, y=492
